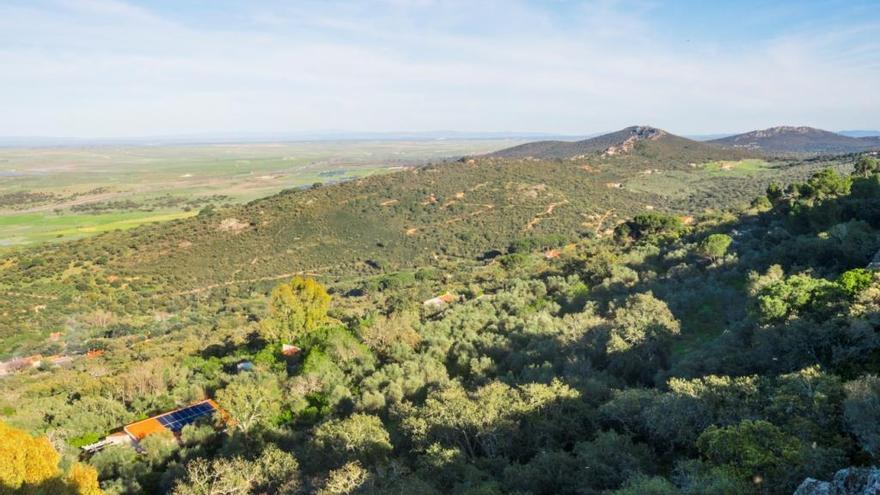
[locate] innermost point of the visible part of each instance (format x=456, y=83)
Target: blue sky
x=110, y=68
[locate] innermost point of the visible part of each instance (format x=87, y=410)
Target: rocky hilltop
x=796, y=139
x=849, y=481
x=646, y=140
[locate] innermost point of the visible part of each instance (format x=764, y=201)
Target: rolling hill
x=637, y=140
x=366, y=227
x=787, y=139
x=536, y=299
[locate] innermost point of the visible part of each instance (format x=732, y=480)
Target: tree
x=866, y=165
x=295, y=309
x=345, y=480
x=777, y=300
x=715, y=246
x=643, y=485
x=761, y=203
x=862, y=411
x=83, y=480
x=640, y=337
x=753, y=449
x=253, y=399
x=856, y=280
x=30, y=465
x=218, y=477
x=611, y=459
x=774, y=192
x=651, y=226
x=361, y=437
x=826, y=183
x=25, y=461
x=274, y=471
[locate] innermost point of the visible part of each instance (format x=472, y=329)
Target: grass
x=198, y=174
x=35, y=228
x=737, y=168
x=715, y=179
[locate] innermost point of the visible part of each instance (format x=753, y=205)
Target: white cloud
x=107, y=68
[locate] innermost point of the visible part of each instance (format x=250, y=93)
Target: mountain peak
x=786, y=129
x=643, y=140
x=795, y=139
x=645, y=131
x=636, y=133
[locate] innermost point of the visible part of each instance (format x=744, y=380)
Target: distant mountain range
x=650, y=140
x=244, y=138
x=788, y=139
x=859, y=133
x=784, y=139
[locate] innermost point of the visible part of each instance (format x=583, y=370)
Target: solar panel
x=175, y=421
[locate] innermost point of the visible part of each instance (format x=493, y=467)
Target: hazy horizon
x=233, y=137
x=108, y=69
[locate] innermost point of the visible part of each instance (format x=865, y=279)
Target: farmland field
x=59, y=193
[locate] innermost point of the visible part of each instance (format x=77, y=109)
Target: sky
x=113, y=68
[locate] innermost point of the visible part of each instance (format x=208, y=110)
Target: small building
x=244, y=366
x=288, y=350
x=440, y=302
x=118, y=438
x=94, y=353
x=173, y=421
x=20, y=364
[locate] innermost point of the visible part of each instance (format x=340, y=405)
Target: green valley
x=69, y=192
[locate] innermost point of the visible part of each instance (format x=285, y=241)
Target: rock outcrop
x=849, y=481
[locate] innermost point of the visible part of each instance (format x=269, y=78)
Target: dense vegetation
x=787, y=139
x=436, y=215
x=737, y=353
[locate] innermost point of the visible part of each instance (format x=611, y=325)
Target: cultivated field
x=49, y=194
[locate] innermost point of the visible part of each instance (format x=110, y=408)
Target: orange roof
x=142, y=429
x=289, y=350
x=146, y=427
x=447, y=298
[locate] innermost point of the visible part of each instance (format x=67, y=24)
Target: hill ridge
x=636, y=139
x=796, y=139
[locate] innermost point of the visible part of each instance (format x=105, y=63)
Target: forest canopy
x=734, y=353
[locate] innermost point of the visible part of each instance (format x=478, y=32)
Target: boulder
x=849, y=481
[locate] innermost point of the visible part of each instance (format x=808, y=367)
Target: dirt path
x=544, y=214
x=486, y=207
x=601, y=220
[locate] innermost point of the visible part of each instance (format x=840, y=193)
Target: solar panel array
x=176, y=420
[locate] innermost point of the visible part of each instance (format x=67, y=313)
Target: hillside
x=363, y=228
x=733, y=355
x=54, y=194
x=871, y=141
x=636, y=140
x=787, y=139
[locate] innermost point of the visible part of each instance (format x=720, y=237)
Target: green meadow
x=29, y=228
x=60, y=193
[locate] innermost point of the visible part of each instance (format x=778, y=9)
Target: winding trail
x=544, y=214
